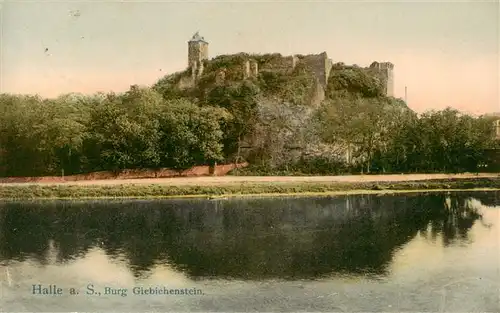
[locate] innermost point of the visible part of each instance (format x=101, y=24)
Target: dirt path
x=224, y=180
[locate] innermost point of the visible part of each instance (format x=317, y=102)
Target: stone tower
x=386, y=70
x=197, y=52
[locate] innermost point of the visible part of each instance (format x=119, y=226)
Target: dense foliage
x=79, y=133
x=265, y=120
x=354, y=80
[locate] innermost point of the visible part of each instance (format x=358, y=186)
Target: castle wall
x=317, y=94
x=280, y=64
x=328, y=68
x=320, y=65
x=385, y=71
x=220, y=77
x=390, y=83
x=254, y=68
x=246, y=69
x=186, y=82
x=250, y=68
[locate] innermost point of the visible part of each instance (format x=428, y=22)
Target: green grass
x=23, y=192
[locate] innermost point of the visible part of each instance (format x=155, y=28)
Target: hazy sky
x=447, y=53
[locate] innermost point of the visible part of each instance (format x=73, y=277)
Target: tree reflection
x=246, y=239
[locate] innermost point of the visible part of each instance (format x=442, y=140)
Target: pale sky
x=447, y=53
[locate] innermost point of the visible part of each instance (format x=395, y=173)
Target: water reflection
x=299, y=238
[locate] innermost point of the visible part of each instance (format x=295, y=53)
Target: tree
x=190, y=134
x=123, y=131
x=240, y=100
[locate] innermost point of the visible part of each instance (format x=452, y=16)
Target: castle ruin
x=319, y=64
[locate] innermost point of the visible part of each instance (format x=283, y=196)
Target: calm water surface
x=431, y=252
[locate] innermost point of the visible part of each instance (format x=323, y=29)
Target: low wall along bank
x=218, y=170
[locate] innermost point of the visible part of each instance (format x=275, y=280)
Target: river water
x=425, y=252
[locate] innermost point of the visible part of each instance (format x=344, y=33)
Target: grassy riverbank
x=23, y=192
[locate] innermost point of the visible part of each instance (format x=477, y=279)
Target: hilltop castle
x=320, y=65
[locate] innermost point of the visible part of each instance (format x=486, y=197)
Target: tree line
x=153, y=127
x=80, y=134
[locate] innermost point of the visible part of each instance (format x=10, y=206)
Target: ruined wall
x=186, y=82
x=246, y=69
x=385, y=71
x=191, y=77
x=220, y=76
x=280, y=64
x=197, y=70
x=328, y=68
x=250, y=68
x=321, y=66
x=254, y=68
x=318, y=94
